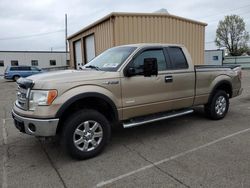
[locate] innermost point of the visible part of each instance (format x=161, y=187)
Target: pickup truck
x=127, y=85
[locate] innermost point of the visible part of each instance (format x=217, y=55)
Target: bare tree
x=232, y=35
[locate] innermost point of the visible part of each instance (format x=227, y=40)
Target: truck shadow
x=121, y=137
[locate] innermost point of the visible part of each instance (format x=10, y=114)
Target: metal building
x=41, y=59
x=128, y=28
x=214, y=57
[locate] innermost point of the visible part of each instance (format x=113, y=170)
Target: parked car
x=15, y=72
x=127, y=85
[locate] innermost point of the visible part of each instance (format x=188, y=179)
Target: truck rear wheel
x=85, y=134
x=217, y=108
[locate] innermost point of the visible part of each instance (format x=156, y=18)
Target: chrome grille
x=22, y=98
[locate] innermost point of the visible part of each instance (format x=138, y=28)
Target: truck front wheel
x=85, y=134
x=218, y=106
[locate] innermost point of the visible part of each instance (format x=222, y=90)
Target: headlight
x=41, y=98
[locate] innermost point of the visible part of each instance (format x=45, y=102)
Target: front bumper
x=35, y=127
x=7, y=77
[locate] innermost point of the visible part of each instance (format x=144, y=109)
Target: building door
x=78, y=54
x=89, y=48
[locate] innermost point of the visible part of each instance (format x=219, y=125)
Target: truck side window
x=158, y=54
x=178, y=58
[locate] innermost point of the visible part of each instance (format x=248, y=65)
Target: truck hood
x=70, y=76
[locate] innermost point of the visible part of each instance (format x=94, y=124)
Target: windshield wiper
x=92, y=67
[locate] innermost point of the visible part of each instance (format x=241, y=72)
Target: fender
x=217, y=85
x=63, y=108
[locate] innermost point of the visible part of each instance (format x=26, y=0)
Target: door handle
x=168, y=78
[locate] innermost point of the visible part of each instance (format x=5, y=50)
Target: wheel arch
x=91, y=100
x=14, y=75
x=224, y=85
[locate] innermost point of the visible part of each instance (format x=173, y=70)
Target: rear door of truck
x=181, y=77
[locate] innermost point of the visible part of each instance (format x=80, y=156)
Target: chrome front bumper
x=35, y=127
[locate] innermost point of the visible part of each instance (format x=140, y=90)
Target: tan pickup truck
x=127, y=85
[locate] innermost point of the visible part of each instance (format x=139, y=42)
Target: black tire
x=218, y=106
x=69, y=135
x=15, y=78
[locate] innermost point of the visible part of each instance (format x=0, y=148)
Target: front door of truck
x=146, y=95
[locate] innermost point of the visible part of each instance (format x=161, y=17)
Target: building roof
x=113, y=14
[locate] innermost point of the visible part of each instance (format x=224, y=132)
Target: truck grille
x=22, y=98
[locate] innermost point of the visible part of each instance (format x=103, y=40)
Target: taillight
x=239, y=72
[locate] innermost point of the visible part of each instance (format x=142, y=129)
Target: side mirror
x=150, y=67
x=130, y=71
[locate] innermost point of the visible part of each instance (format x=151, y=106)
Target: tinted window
x=13, y=68
x=24, y=68
x=178, y=58
x=20, y=68
x=158, y=54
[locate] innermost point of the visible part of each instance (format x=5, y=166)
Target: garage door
x=78, y=54
x=89, y=48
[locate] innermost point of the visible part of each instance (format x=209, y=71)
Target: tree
x=232, y=35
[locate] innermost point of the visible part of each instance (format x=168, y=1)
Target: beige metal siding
x=161, y=29
x=128, y=28
x=103, y=33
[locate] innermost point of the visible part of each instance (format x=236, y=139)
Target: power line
x=32, y=35
x=212, y=15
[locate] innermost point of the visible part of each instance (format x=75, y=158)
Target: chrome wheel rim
x=88, y=135
x=220, y=105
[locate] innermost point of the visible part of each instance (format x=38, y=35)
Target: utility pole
x=66, y=34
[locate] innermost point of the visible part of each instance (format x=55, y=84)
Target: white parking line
x=8, y=119
x=5, y=158
x=103, y=183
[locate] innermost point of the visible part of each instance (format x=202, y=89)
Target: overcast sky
x=39, y=24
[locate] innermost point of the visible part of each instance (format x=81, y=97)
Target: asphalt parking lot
x=189, y=151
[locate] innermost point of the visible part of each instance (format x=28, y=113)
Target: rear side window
x=178, y=58
x=25, y=68
x=20, y=69
x=14, y=68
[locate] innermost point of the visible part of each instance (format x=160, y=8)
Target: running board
x=157, y=117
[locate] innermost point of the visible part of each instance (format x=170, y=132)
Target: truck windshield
x=110, y=60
